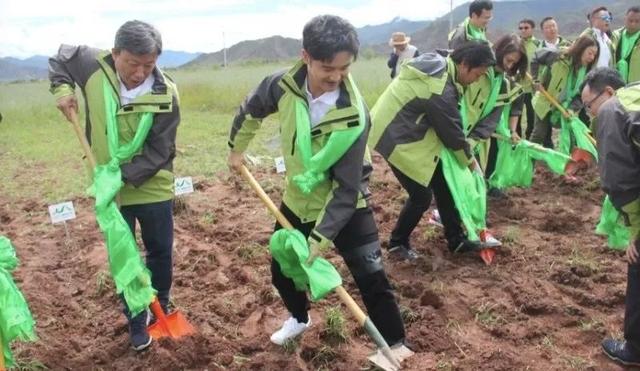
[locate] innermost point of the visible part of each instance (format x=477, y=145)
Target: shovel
x=386, y=358
x=173, y=325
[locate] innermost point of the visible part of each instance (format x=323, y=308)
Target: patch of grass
x=250, y=251
x=408, y=315
x=591, y=325
x=444, y=365
x=29, y=365
x=486, y=315
x=431, y=232
x=583, y=259
x=453, y=327
x=336, y=329
x=290, y=345
x=547, y=342
x=324, y=357
x=103, y=282
x=209, y=218
x=512, y=235
x=240, y=359
x=577, y=363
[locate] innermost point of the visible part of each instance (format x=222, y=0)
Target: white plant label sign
x=280, y=168
x=183, y=185
x=62, y=212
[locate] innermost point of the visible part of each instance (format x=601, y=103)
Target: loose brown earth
x=552, y=294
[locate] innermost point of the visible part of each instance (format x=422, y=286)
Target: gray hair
x=138, y=38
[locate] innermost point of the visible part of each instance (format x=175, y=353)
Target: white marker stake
x=183, y=185
x=280, y=167
x=60, y=213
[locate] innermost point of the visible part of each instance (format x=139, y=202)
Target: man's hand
x=68, y=105
x=316, y=249
x=568, y=114
x=515, y=138
x=235, y=160
x=475, y=167
x=632, y=253
x=538, y=86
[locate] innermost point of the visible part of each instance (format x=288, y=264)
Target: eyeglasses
x=523, y=28
x=588, y=104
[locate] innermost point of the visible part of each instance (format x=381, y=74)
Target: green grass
x=41, y=159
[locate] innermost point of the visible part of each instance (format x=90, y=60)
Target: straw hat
x=399, y=38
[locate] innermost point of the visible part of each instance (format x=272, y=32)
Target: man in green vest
x=550, y=37
x=474, y=27
x=531, y=44
x=128, y=73
x=617, y=112
x=324, y=125
x=414, y=119
x=627, y=46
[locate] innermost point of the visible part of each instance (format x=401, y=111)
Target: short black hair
x=477, y=6
x=324, y=36
x=633, y=9
x=544, y=20
x=596, y=10
x=476, y=53
x=599, y=78
x=528, y=21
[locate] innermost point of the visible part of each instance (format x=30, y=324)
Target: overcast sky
x=29, y=27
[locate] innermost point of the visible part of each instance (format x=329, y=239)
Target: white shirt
x=127, y=96
x=319, y=106
x=550, y=45
x=407, y=53
x=605, y=52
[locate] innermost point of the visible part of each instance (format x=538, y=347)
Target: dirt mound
x=552, y=293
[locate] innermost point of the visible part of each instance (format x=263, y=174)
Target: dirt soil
x=553, y=292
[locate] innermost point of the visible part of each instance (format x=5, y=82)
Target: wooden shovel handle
x=86, y=148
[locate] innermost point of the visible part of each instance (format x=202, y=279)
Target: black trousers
x=492, y=158
x=370, y=277
x=531, y=116
x=156, y=227
x=632, y=307
x=418, y=202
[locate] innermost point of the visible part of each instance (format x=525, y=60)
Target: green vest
x=531, y=45
x=160, y=186
x=557, y=76
x=416, y=159
x=634, y=58
x=309, y=207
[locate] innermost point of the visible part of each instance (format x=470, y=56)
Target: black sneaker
x=497, y=194
x=620, y=351
x=403, y=252
x=138, y=334
x=463, y=246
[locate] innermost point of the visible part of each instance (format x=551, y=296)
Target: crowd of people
x=436, y=123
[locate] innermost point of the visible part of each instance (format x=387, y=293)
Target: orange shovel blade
x=487, y=255
x=175, y=326
x=580, y=155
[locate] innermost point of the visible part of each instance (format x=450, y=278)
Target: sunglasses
x=606, y=18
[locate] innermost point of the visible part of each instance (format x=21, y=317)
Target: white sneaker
x=290, y=329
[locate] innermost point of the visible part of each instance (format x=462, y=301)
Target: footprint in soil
x=430, y=298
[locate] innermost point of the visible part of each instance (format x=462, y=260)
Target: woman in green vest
x=561, y=76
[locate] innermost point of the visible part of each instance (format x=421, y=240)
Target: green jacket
x=618, y=140
x=531, y=45
x=461, y=35
x=552, y=69
x=633, y=59
x=417, y=115
x=147, y=175
x=332, y=203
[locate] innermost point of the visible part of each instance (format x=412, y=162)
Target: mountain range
x=426, y=35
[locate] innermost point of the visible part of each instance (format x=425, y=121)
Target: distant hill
x=37, y=66
x=12, y=69
x=377, y=34
x=570, y=15
x=170, y=58
x=271, y=49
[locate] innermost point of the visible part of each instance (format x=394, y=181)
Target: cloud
x=38, y=27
